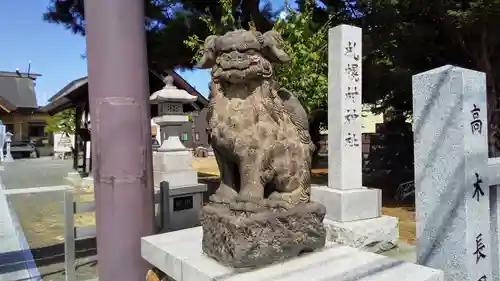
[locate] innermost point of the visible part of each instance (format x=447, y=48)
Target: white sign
x=63, y=142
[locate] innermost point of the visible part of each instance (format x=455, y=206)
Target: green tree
x=305, y=40
x=446, y=32
x=62, y=122
x=168, y=24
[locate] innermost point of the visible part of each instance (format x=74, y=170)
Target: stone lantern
x=174, y=176
x=170, y=101
x=8, y=155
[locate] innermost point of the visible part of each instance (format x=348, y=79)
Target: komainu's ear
x=208, y=59
x=272, y=47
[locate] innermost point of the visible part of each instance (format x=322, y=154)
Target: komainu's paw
x=282, y=200
x=249, y=204
x=223, y=195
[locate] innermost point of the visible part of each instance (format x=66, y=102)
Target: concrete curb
x=24, y=248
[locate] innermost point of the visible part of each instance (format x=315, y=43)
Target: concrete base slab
x=403, y=251
x=179, y=255
x=348, y=205
x=373, y=235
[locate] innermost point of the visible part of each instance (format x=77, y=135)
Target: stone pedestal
x=246, y=239
x=373, y=235
x=178, y=254
x=349, y=205
x=183, y=196
x=175, y=167
x=174, y=177
x=353, y=218
x=181, y=207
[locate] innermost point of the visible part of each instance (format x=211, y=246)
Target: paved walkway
x=16, y=260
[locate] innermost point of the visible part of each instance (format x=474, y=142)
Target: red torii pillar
x=121, y=135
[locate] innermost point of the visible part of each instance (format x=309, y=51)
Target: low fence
x=71, y=233
x=74, y=207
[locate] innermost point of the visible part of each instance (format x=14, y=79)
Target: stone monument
x=8, y=140
x=451, y=173
x=353, y=215
x=183, y=196
x=261, y=212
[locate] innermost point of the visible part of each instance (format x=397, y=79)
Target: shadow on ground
x=48, y=255
x=50, y=259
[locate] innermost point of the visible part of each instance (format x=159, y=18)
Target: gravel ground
x=41, y=215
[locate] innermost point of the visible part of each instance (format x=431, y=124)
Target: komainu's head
x=240, y=55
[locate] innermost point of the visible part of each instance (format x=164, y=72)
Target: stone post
x=451, y=176
x=353, y=211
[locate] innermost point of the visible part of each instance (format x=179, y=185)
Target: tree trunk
x=483, y=63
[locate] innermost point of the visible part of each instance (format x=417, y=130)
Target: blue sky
x=54, y=51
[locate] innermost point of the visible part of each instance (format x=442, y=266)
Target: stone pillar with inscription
x=451, y=176
x=172, y=163
x=353, y=212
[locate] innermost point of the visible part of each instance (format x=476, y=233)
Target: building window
x=196, y=136
x=36, y=130
x=184, y=137
x=9, y=128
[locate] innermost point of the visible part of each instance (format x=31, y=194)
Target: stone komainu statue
x=259, y=134
x=261, y=213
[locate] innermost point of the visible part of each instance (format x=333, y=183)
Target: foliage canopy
x=62, y=122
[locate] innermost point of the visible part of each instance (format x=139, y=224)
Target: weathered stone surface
x=373, y=235
x=259, y=133
x=250, y=239
x=261, y=211
x=451, y=173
